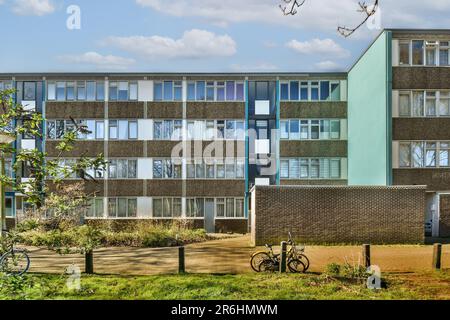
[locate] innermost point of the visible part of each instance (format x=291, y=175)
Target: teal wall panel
x=369, y=159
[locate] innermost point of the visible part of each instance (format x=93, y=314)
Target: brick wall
x=338, y=214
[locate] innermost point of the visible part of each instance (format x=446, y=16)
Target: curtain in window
x=418, y=102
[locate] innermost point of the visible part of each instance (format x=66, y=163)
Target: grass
x=240, y=287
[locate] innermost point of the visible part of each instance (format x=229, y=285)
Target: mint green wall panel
x=369, y=116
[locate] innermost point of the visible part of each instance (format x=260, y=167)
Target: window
x=215, y=169
x=100, y=86
x=284, y=91
x=95, y=209
x=430, y=53
x=157, y=91
x=284, y=169
x=314, y=91
x=424, y=104
x=405, y=104
x=57, y=128
x=294, y=91
x=123, y=130
x=220, y=91
x=191, y=91
x=335, y=129
x=90, y=90
x=167, y=207
x=51, y=91
x=304, y=96
x=123, y=91
x=324, y=90
x=444, y=53
x=404, y=52
x=210, y=91
x=122, y=207
x=231, y=91
x=81, y=90
x=200, y=93
x=335, y=89
x=167, y=129
x=431, y=104
x=430, y=154
x=113, y=91
x=220, y=207
x=405, y=155
x=310, y=129
x=284, y=125
x=417, y=154
x=294, y=129
x=444, y=149
x=29, y=91
x=444, y=103
x=60, y=91
x=133, y=91
x=195, y=208
x=122, y=169
x=417, y=52
x=418, y=104
x=168, y=91
x=167, y=169
x=322, y=168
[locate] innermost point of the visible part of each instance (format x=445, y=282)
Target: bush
x=355, y=271
x=27, y=225
x=333, y=269
x=15, y=287
x=86, y=238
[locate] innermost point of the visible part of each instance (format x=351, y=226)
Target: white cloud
x=328, y=65
x=259, y=67
x=98, y=60
x=326, y=47
x=33, y=7
x=192, y=45
x=323, y=15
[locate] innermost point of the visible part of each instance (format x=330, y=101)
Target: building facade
x=193, y=145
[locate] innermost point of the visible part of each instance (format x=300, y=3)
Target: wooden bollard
x=437, y=256
x=283, y=257
x=89, y=262
x=181, y=261
x=366, y=255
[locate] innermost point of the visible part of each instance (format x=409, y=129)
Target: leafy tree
x=18, y=121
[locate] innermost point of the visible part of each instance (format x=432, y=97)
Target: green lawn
x=250, y=286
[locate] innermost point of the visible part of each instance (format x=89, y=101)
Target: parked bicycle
x=268, y=261
x=13, y=261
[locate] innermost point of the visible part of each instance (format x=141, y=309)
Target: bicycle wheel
x=268, y=266
x=296, y=266
x=15, y=262
x=257, y=259
x=305, y=261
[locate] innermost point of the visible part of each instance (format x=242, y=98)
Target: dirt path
x=229, y=255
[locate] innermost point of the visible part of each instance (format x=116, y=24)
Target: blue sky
x=196, y=35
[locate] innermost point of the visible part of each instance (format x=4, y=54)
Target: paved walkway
x=229, y=255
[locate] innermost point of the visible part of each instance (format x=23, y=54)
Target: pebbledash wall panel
x=338, y=214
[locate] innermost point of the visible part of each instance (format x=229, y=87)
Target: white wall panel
x=145, y=168
x=145, y=90
x=145, y=129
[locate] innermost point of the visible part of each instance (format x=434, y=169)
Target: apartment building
x=399, y=117
x=193, y=145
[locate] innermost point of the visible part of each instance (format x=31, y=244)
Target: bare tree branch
x=290, y=7
x=363, y=8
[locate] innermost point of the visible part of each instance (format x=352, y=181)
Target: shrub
x=354, y=271
x=27, y=225
x=333, y=269
x=15, y=287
